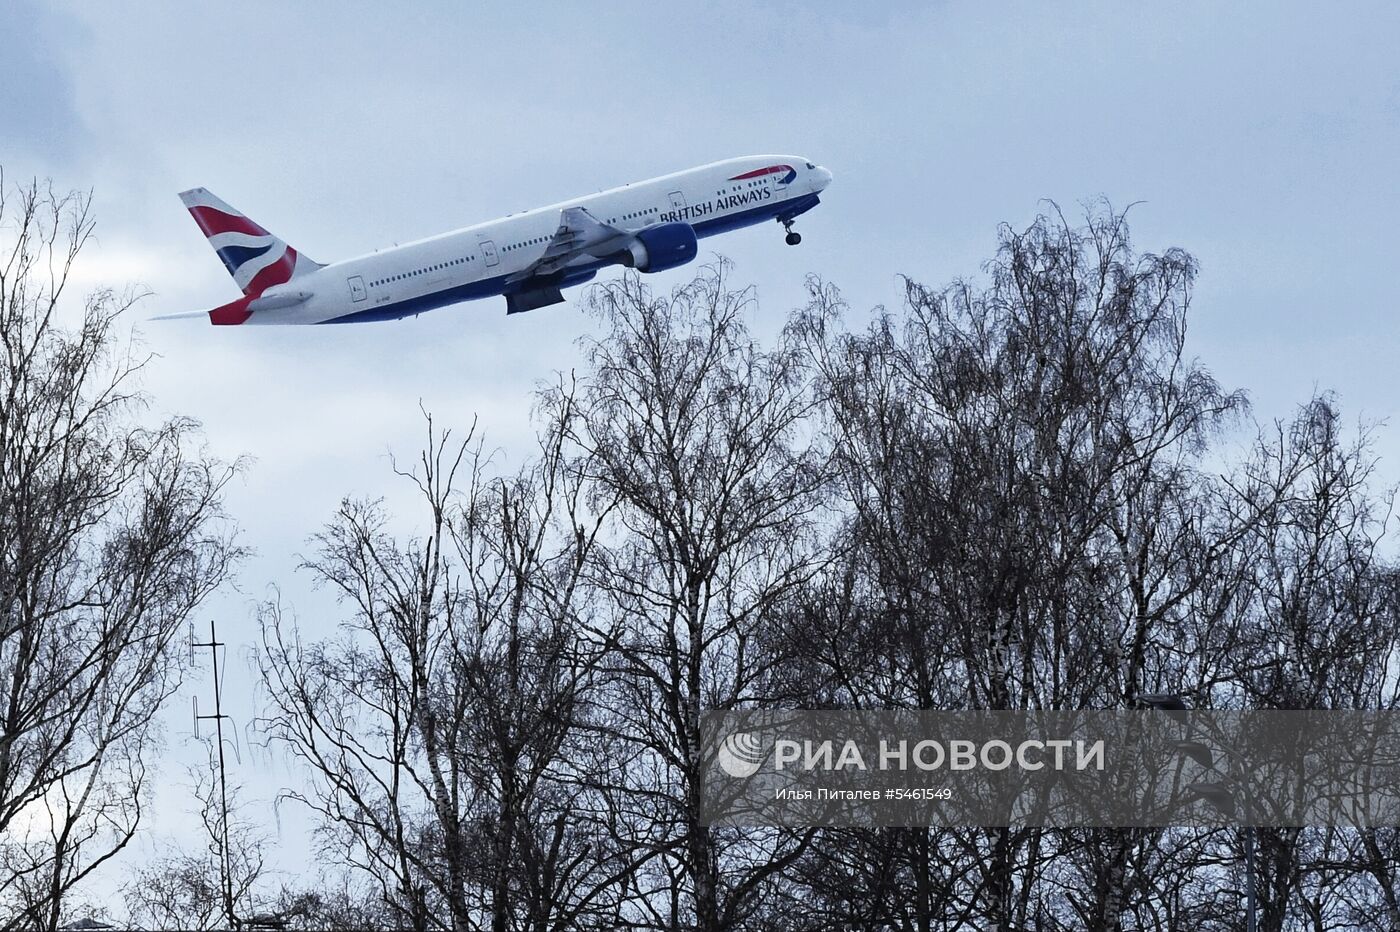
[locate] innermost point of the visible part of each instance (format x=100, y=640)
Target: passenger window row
x=739, y=187
x=635, y=213
x=425, y=269
x=529, y=242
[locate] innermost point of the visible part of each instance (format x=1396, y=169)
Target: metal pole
x=214, y=644
x=1250, y=919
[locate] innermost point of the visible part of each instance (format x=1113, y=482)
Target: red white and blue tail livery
x=255, y=258
x=527, y=257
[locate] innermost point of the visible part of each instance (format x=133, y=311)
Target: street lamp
x=1166, y=702
x=1218, y=795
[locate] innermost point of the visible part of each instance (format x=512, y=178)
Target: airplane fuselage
x=490, y=258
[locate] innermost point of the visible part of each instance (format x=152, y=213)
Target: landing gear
x=792, y=238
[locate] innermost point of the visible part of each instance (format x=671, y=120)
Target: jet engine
x=660, y=247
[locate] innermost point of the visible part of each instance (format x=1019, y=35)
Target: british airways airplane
x=527, y=257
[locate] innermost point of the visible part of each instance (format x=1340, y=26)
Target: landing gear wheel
x=792, y=239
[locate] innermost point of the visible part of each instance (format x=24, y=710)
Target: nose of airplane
x=821, y=178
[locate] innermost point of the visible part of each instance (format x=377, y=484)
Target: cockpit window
x=810, y=165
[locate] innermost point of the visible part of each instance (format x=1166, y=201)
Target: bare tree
x=433, y=729
x=1026, y=524
x=186, y=890
x=698, y=442
x=334, y=901
x=1320, y=633
x=1009, y=494
x=111, y=534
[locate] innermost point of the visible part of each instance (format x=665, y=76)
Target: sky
x=1261, y=137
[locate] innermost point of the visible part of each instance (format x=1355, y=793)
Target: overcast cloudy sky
x=1261, y=137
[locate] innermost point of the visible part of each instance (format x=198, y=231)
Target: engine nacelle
x=661, y=247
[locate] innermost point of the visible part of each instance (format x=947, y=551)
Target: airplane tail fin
x=255, y=258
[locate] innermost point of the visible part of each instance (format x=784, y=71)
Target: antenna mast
x=214, y=644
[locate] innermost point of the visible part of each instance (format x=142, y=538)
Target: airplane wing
x=579, y=234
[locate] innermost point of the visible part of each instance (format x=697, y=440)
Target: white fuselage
x=486, y=259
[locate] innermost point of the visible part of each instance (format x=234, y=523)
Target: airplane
x=526, y=257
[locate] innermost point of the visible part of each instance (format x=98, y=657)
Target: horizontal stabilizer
x=185, y=315
x=235, y=312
